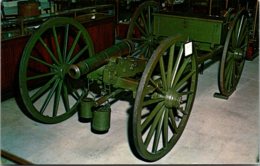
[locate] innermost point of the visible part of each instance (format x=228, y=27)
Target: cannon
x=158, y=62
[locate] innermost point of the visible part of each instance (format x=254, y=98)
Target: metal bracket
x=221, y=96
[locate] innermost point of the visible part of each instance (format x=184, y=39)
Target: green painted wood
x=207, y=31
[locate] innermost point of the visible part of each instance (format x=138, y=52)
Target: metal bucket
x=85, y=110
x=101, y=119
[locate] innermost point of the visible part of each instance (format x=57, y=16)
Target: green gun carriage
x=158, y=62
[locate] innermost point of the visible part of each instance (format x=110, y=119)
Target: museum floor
x=218, y=131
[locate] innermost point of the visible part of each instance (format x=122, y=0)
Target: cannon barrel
x=83, y=67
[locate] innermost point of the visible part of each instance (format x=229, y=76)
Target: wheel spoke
x=136, y=52
x=165, y=127
x=48, y=50
x=244, y=46
x=140, y=28
x=48, y=98
x=230, y=56
x=243, y=28
x=163, y=75
x=42, y=90
x=73, y=46
x=57, y=43
x=182, y=110
x=236, y=32
x=173, y=123
x=142, y=49
x=234, y=74
x=149, y=51
x=152, y=128
x=42, y=62
x=65, y=98
x=156, y=87
x=78, y=98
x=234, y=36
x=228, y=65
x=239, y=28
x=231, y=78
x=146, y=51
x=186, y=93
x=151, y=116
x=57, y=99
x=158, y=133
x=227, y=81
x=239, y=67
x=66, y=39
x=152, y=101
x=76, y=57
x=170, y=64
x=243, y=35
x=176, y=66
x=75, y=95
x=41, y=76
x=237, y=70
x=144, y=22
x=229, y=73
x=149, y=20
x=180, y=71
x=182, y=81
x=138, y=40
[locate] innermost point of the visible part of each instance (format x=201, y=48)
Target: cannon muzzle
x=92, y=63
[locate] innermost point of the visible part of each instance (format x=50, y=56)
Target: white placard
x=188, y=49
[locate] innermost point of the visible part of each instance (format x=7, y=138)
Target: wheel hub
x=172, y=99
x=150, y=39
x=238, y=54
x=62, y=70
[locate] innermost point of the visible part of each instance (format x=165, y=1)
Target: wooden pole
x=210, y=7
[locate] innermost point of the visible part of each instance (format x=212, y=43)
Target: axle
x=94, y=62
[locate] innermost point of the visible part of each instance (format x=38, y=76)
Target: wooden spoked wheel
x=234, y=53
x=141, y=30
x=48, y=93
x=164, y=99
